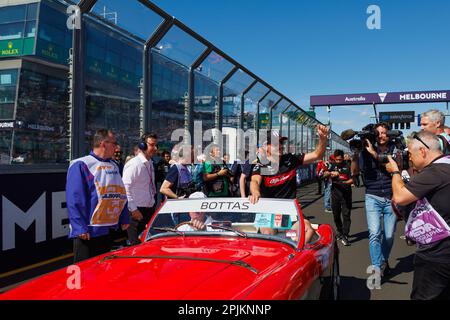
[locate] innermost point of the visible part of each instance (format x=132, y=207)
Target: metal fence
x=256, y=103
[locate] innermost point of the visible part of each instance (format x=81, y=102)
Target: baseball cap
x=197, y=195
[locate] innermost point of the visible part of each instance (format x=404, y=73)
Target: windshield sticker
x=291, y=234
x=263, y=220
x=277, y=219
x=281, y=221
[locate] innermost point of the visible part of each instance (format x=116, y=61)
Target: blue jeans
x=380, y=241
x=327, y=195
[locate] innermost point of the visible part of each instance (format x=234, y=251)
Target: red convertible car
x=209, y=249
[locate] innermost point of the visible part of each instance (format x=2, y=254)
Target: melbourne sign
x=381, y=98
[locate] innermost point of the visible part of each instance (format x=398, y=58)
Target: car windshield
x=271, y=219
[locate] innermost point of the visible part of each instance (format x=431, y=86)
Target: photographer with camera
x=217, y=176
x=378, y=193
x=179, y=183
x=428, y=222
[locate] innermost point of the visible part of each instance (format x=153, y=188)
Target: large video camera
x=357, y=143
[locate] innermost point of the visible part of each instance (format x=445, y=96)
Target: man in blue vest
x=96, y=198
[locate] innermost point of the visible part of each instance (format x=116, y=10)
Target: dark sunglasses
x=415, y=136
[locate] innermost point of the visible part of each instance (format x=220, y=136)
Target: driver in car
x=199, y=220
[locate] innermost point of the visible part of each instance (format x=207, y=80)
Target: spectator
x=226, y=160
x=348, y=160
x=355, y=173
x=197, y=175
x=434, y=121
x=129, y=157
x=245, y=178
x=91, y=216
x=320, y=169
x=341, y=195
x=178, y=183
x=430, y=189
x=378, y=198
x=139, y=180
x=327, y=188
x=235, y=174
x=216, y=175
x=118, y=159
x=162, y=168
x=134, y=154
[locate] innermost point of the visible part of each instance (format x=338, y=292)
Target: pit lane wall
x=34, y=222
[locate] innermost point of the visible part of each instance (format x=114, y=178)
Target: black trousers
x=341, y=204
x=431, y=280
x=356, y=181
x=136, y=227
x=319, y=185
x=85, y=249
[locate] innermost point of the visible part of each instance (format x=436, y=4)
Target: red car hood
x=166, y=268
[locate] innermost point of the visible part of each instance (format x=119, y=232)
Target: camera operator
x=178, y=183
x=428, y=223
x=378, y=196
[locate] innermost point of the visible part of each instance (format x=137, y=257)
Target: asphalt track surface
x=354, y=259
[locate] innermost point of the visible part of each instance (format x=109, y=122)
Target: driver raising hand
x=277, y=178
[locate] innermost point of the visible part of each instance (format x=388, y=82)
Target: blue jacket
x=96, y=197
x=377, y=180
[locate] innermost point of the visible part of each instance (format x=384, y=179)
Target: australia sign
x=381, y=98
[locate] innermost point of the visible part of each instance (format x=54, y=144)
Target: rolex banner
x=16, y=47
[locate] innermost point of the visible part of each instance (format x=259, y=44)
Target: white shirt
x=139, y=181
x=187, y=227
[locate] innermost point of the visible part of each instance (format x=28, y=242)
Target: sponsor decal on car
x=263, y=220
